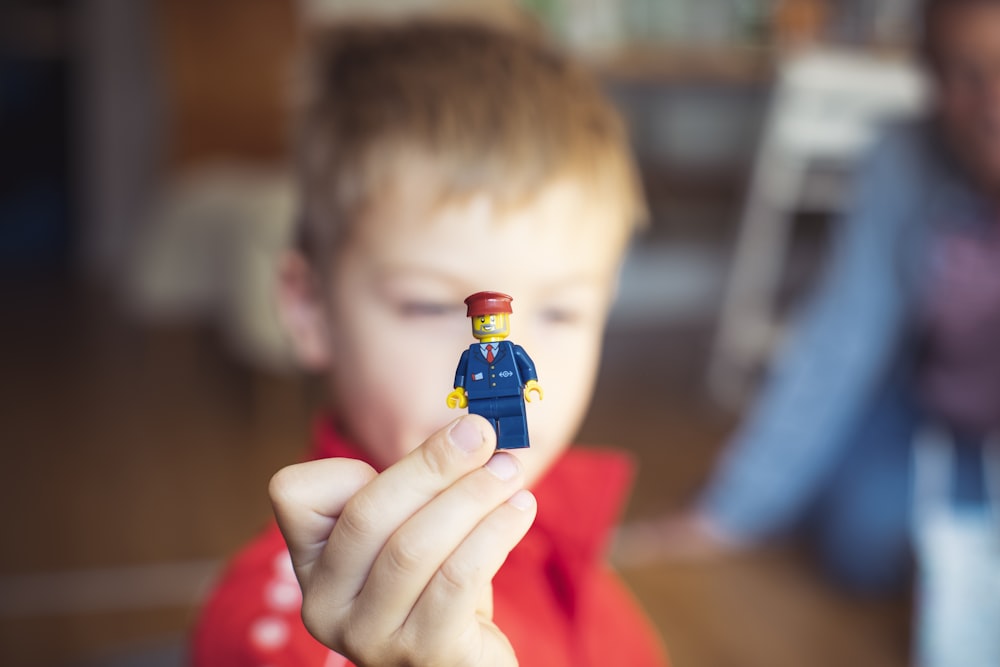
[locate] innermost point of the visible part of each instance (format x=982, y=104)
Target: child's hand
x=395, y=568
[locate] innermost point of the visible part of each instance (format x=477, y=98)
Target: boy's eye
x=560, y=316
x=427, y=309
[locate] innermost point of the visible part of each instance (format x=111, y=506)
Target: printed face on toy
x=396, y=314
x=491, y=328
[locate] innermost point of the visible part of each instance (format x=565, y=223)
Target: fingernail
x=466, y=435
x=522, y=500
x=502, y=465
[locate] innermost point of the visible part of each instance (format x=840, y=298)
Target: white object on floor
x=958, y=561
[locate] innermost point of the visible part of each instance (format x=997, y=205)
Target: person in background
x=903, y=331
x=437, y=160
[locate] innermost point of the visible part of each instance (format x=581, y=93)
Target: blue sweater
x=856, y=332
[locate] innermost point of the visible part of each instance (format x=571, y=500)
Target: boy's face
x=396, y=325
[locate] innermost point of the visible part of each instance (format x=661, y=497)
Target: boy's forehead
x=451, y=245
x=568, y=207
x=550, y=245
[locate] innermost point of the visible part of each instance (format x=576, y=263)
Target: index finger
x=308, y=498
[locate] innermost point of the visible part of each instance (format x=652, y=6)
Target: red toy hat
x=486, y=303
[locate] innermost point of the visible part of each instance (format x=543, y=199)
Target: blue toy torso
x=502, y=377
x=495, y=389
x=505, y=376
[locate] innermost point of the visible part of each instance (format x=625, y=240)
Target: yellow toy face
x=495, y=325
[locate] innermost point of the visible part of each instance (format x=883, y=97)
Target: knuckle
x=366, y=643
x=340, y=630
x=413, y=648
x=435, y=458
x=356, y=645
x=405, y=552
x=480, y=492
x=321, y=621
x=359, y=518
x=282, y=487
x=457, y=574
x=311, y=615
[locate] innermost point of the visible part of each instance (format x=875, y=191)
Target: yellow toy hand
x=457, y=398
x=533, y=386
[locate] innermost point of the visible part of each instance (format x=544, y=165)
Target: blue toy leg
x=512, y=427
x=487, y=409
x=507, y=416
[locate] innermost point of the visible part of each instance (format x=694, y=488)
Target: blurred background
x=147, y=394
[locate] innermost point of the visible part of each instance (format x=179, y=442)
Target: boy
x=440, y=160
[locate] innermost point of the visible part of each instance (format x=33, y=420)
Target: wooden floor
x=135, y=459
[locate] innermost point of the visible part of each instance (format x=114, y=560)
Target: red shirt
x=555, y=598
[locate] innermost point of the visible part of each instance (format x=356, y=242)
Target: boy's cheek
x=571, y=356
x=566, y=374
x=391, y=396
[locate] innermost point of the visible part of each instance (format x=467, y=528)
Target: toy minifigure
x=494, y=376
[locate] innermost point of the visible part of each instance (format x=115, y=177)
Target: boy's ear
x=301, y=310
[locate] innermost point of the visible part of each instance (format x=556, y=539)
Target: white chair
x=825, y=110
x=210, y=252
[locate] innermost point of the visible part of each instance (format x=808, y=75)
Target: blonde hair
x=490, y=110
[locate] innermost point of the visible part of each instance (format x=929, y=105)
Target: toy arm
x=527, y=368
x=533, y=386
x=457, y=397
